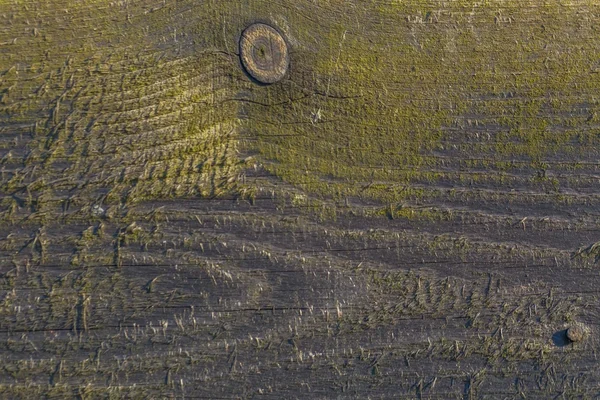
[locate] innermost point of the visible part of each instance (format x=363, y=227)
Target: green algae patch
x=114, y=103
x=468, y=93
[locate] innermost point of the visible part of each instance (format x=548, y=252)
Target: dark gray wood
x=412, y=212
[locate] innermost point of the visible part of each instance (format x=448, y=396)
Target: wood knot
x=264, y=53
x=576, y=333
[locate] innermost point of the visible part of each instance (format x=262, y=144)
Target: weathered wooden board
x=412, y=212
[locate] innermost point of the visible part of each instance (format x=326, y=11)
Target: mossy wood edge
x=412, y=212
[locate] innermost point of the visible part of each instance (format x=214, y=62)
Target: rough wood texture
x=411, y=213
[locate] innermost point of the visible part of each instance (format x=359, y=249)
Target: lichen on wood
x=411, y=211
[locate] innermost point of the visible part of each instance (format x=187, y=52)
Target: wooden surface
x=411, y=213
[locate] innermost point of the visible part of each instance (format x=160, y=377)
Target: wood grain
x=412, y=212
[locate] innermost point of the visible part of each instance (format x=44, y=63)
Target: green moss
x=412, y=106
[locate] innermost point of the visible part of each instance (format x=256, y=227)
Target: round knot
x=576, y=333
x=264, y=53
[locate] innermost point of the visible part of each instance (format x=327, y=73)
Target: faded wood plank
x=411, y=212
